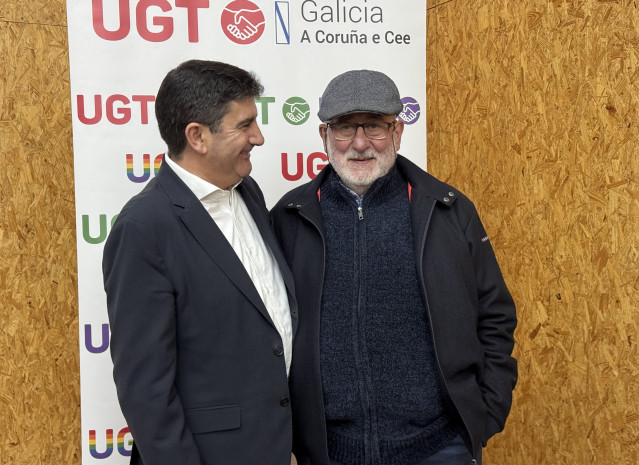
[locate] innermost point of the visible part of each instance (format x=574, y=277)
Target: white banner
x=120, y=50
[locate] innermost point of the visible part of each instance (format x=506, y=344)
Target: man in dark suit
x=199, y=297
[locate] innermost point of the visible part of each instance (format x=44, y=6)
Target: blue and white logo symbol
x=282, y=23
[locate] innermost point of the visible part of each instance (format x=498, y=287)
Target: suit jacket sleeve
x=142, y=315
x=496, y=324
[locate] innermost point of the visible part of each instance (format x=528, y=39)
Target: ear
x=195, y=137
x=397, y=133
x=323, y=132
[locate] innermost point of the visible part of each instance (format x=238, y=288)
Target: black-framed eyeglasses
x=373, y=129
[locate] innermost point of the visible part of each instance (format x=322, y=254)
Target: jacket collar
x=423, y=186
x=204, y=230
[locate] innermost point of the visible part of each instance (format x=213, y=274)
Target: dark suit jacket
x=198, y=364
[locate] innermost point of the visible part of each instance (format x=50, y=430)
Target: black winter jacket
x=471, y=312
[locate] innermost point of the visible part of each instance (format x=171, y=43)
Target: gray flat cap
x=360, y=91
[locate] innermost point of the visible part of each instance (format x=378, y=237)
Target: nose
x=360, y=142
x=256, y=137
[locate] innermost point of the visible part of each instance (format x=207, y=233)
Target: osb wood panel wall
x=532, y=111
x=39, y=381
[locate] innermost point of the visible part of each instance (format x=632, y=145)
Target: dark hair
x=199, y=91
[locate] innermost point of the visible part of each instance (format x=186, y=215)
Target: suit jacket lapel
x=209, y=236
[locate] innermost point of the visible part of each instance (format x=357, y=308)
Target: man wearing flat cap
x=403, y=349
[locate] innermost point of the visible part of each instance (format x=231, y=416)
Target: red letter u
x=98, y=20
x=300, y=167
x=97, y=99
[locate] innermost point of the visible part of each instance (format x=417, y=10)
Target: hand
x=296, y=115
x=243, y=28
x=409, y=114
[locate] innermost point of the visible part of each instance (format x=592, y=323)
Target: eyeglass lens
x=373, y=130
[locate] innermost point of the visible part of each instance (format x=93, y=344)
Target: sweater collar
x=424, y=186
x=380, y=190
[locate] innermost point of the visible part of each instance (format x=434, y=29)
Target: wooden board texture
x=39, y=350
x=532, y=112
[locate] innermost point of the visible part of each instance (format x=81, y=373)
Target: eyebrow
x=246, y=121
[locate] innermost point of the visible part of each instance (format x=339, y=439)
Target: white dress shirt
x=231, y=215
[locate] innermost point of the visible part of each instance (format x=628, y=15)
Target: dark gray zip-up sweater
x=382, y=390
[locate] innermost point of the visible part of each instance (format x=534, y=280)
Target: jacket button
x=446, y=199
x=284, y=401
x=452, y=194
x=278, y=350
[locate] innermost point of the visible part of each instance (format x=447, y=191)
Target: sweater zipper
x=430, y=322
x=358, y=199
x=362, y=349
x=360, y=210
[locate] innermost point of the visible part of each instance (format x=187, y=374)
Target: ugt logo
x=242, y=22
x=124, y=443
x=296, y=110
x=411, y=111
